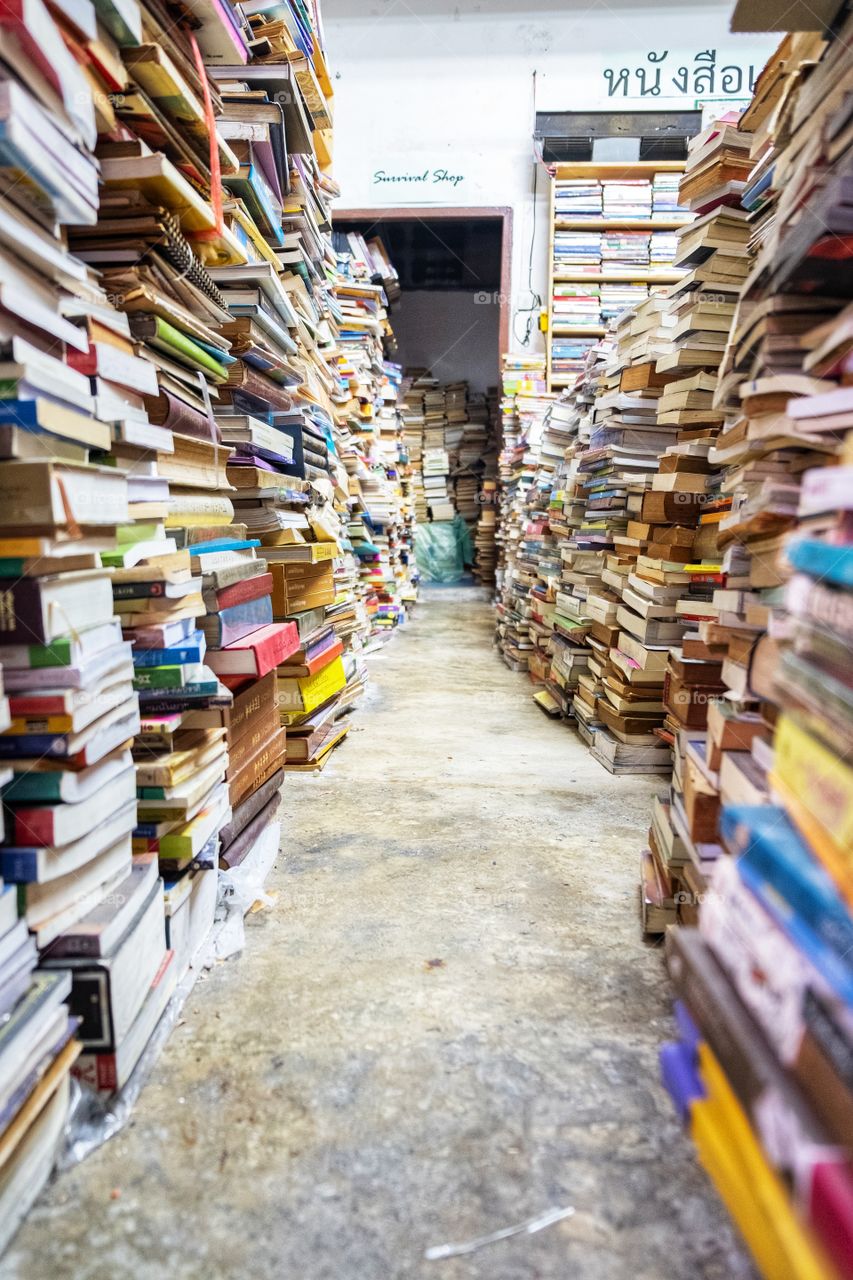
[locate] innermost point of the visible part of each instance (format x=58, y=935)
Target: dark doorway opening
x=454, y=271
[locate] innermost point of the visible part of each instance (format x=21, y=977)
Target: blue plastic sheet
x=443, y=549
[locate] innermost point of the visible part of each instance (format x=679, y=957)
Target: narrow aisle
x=427, y=1038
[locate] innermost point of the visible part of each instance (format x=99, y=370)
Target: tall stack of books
x=191, y=381
x=764, y=982
x=448, y=432
x=485, y=548
x=70, y=711
x=524, y=406
x=413, y=421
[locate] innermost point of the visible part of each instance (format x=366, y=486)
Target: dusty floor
x=445, y=1025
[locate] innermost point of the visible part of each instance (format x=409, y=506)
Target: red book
x=314, y=664
x=257, y=653
x=244, y=590
x=831, y=1212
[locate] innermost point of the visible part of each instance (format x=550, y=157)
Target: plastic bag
x=443, y=549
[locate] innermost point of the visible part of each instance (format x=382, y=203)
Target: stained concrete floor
x=446, y=1024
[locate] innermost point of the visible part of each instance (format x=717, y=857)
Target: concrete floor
x=446, y=1024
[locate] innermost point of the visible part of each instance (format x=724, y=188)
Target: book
x=256, y=653
x=99, y=932
x=107, y=991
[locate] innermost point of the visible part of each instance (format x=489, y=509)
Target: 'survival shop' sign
x=703, y=76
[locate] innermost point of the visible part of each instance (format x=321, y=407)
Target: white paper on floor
x=546, y=1219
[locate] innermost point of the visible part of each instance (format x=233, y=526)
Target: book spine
x=186, y=656
x=166, y=410
x=21, y=614
x=138, y=590
x=243, y=591
x=241, y=750
x=818, y=776
x=19, y=866
x=20, y=746
x=234, y=624
x=159, y=678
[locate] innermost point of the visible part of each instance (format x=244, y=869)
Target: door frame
x=437, y=213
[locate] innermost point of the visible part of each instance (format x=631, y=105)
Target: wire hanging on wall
x=528, y=313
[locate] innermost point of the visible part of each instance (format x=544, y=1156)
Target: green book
x=179, y=345
x=160, y=677
x=34, y=787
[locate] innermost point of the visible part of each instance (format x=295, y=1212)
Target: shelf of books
x=675, y=580
x=205, y=517
x=611, y=243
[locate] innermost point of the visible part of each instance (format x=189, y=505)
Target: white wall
x=427, y=88
x=451, y=332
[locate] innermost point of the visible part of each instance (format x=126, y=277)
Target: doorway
x=450, y=318
x=454, y=271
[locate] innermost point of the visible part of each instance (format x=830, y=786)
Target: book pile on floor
x=485, y=547
x=411, y=407
x=198, y=436
x=523, y=406
x=763, y=983
x=448, y=433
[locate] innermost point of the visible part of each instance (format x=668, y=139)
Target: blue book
x=233, y=624
x=822, y=560
x=22, y=745
x=797, y=889
x=202, y=549
x=177, y=656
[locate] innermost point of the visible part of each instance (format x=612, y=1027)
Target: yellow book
x=308, y=553
x=304, y=694
x=822, y=780
x=319, y=761
x=819, y=840
x=753, y=1192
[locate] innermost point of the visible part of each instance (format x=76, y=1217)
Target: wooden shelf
x=579, y=331
x=621, y=224
x=619, y=277
x=615, y=169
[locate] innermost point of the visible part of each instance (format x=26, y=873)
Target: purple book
x=680, y=1077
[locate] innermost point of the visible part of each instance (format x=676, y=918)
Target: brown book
x=260, y=766
x=639, y=376
x=688, y=704
x=622, y=725
x=236, y=719
x=606, y=634
x=258, y=729
x=242, y=844
x=666, y=551
x=695, y=673
x=166, y=410
x=701, y=804
x=248, y=808
x=661, y=507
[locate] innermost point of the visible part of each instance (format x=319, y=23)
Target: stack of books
x=578, y=198
x=768, y=778
x=665, y=197
x=452, y=429
x=485, y=547
x=576, y=305
x=194, y=389
x=627, y=199
x=578, y=252
x=523, y=405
